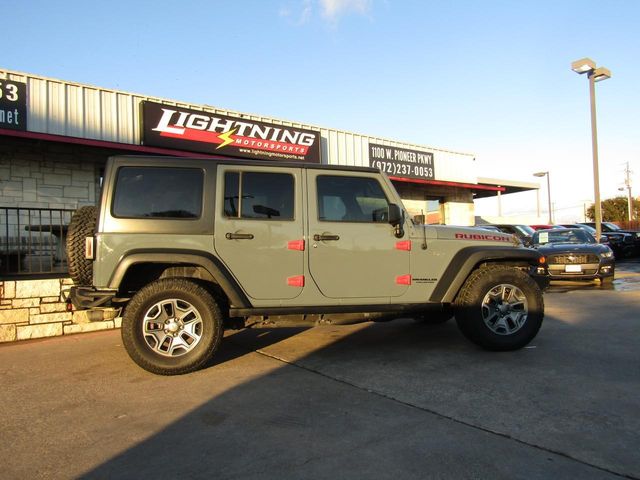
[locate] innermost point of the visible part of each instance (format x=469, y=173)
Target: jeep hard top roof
x=162, y=160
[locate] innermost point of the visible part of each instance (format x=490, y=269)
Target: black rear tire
x=172, y=326
x=82, y=225
x=499, y=308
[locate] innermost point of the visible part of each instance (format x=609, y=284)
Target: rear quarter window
x=158, y=192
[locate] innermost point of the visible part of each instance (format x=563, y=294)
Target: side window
x=257, y=195
x=157, y=192
x=351, y=199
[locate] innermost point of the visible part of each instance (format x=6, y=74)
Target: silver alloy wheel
x=172, y=327
x=505, y=309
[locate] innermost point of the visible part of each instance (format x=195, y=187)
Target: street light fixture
x=588, y=66
x=546, y=174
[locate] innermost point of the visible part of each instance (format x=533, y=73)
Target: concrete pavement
x=394, y=400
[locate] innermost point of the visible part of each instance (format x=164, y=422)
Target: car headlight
x=608, y=254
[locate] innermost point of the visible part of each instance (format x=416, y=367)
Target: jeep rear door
x=354, y=252
x=259, y=229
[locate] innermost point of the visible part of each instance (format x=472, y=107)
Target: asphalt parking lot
x=392, y=400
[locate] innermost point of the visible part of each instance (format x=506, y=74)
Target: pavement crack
x=446, y=417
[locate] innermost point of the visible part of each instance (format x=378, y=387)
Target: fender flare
x=210, y=263
x=468, y=258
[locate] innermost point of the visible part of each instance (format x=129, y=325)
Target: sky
x=491, y=78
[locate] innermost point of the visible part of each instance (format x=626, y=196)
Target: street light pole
x=627, y=182
x=549, y=199
x=629, y=203
x=594, y=147
x=588, y=66
x=542, y=174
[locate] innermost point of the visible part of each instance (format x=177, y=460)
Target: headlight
x=608, y=254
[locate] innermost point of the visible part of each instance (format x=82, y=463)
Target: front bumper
x=585, y=271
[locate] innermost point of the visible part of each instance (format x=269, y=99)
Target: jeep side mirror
x=527, y=241
x=604, y=239
x=395, y=214
x=396, y=219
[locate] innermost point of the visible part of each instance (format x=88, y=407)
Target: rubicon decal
x=193, y=130
x=477, y=236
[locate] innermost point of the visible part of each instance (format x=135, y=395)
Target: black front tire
x=172, y=326
x=499, y=308
x=606, y=281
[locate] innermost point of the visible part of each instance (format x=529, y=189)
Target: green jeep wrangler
x=187, y=246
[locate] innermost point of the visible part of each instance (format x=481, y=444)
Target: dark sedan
x=631, y=238
x=573, y=254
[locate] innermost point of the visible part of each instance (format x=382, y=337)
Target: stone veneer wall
x=48, y=175
x=42, y=174
x=33, y=309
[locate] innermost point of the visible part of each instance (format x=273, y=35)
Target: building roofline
x=213, y=109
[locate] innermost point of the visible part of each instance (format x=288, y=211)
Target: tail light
x=89, y=251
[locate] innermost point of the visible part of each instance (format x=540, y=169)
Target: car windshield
x=562, y=236
x=588, y=229
x=612, y=226
x=581, y=226
x=525, y=229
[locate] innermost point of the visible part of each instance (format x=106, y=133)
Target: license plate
x=573, y=268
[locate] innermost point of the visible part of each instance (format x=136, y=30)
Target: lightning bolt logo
x=226, y=137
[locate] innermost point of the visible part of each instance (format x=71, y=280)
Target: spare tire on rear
x=83, y=225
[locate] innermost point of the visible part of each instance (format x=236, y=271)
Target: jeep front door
x=354, y=252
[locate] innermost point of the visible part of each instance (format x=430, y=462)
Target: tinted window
x=351, y=199
x=254, y=195
x=152, y=192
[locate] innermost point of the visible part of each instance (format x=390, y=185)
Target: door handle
x=323, y=237
x=239, y=236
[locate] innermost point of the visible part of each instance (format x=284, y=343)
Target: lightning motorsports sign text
x=180, y=128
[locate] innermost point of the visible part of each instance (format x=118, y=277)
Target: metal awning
x=505, y=187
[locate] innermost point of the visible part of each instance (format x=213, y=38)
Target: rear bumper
x=84, y=298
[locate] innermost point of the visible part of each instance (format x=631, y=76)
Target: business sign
x=180, y=128
x=13, y=105
x=401, y=162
